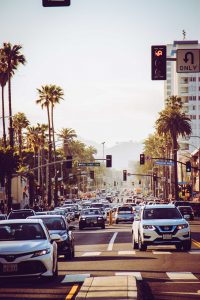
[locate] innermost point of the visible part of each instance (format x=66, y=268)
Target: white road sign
x=188, y=61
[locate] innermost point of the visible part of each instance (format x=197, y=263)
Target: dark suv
x=187, y=212
x=21, y=214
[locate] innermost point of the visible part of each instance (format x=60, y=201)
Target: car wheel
x=141, y=246
x=55, y=273
x=80, y=227
x=103, y=226
x=187, y=245
x=116, y=222
x=69, y=255
x=179, y=247
x=135, y=245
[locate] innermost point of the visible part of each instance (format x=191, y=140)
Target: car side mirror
x=55, y=237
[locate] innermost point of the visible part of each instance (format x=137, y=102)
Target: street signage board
x=188, y=61
x=89, y=164
x=164, y=163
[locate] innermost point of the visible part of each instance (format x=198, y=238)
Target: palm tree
x=67, y=135
x=13, y=59
x=3, y=81
x=19, y=123
x=49, y=95
x=174, y=122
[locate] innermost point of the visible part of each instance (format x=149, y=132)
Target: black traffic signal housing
x=142, y=159
x=49, y=3
x=108, y=161
x=139, y=181
x=124, y=175
x=154, y=177
x=188, y=166
x=69, y=162
x=92, y=174
x=158, y=62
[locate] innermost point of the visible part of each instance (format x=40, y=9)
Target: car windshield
x=15, y=232
x=161, y=213
x=54, y=223
x=91, y=212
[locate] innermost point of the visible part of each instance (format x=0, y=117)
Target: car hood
x=162, y=222
x=15, y=247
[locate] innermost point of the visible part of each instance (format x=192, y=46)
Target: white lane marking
x=181, y=275
x=91, y=254
x=161, y=252
x=194, y=252
x=75, y=278
x=137, y=275
x=126, y=252
x=111, y=243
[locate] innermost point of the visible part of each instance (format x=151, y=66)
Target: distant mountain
x=123, y=153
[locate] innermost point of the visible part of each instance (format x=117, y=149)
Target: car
x=91, y=217
x=124, y=214
x=21, y=214
x=27, y=249
x=187, y=212
x=57, y=224
x=160, y=225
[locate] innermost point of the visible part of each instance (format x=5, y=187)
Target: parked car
x=187, y=212
x=124, y=214
x=21, y=213
x=26, y=249
x=91, y=217
x=160, y=225
x=57, y=224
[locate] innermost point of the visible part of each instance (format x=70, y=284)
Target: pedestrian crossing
x=172, y=276
x=133, y=252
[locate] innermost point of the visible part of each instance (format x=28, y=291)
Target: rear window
x=125, y=209
x=161, y=213
x=20, y=215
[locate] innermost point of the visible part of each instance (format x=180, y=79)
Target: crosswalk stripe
x=181, y=275
x=137, y=275
x=126, y=252
x=194, y=252
x=91, y=253
x=161, y=252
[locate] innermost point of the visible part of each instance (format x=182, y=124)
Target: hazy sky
x=98, y=51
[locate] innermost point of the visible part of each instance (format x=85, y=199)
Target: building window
x=194, y=107
x=194, y=98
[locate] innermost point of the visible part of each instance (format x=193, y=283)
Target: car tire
x=103, y=226
x=116, y=222
x=141, y=246
x=135, y=245
x=179, y=247
x=80, y=227
x=70, y=254
x=187, y=245
x=55, y=273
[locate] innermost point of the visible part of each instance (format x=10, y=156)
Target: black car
x=91, y=217
x=21, y=214
x=3, y=217
x=57, y=224
x=187, y=212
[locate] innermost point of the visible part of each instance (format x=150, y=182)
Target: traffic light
x=69, y=162
x=158, y=62
x=188, y=166
x=49, y=3
x=108, y=161
x=139, y=181
x=154, y=177
x=142, y=159
x=124, y=175
x=92, y=174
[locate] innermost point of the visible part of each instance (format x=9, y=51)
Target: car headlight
x=182, y=226
x=41, y=252
x=150, y=227
x=82, y=219
x=100, y=218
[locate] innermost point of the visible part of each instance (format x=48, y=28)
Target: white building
x=186, y=86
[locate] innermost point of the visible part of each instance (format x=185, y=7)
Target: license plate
x=9, y=268
x=167, y=236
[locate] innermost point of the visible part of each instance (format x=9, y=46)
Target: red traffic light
x=142, y=159
x=158, y=62
x=108, y=161
x=124, y=175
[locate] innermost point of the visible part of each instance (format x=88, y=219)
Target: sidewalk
x=108, y=288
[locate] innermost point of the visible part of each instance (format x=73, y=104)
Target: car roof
x=22, y=210
x=46, y=216
x=159, y=206
x=19, y=221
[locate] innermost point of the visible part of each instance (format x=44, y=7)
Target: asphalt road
x=162, y=273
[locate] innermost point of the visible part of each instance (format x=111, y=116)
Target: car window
x=11, y=232
x=161, y=213
x=54, y=223
x=20, y=215
x=125, y=209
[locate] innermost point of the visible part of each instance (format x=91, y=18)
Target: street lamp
x=103, y=143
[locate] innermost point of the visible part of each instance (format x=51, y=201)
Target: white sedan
x=27, y=249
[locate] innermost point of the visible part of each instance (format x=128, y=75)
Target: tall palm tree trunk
x=55, y=167
x=3, y=117
x=49, y=159
x=11, y=131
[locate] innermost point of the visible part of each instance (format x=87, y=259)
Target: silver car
x=26, y=249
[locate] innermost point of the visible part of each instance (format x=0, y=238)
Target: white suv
x=160, y=225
